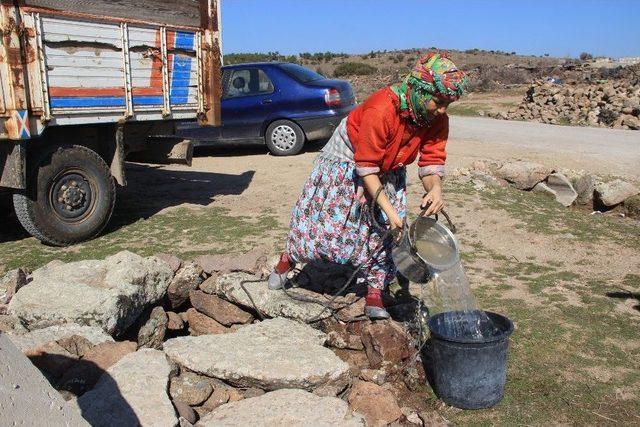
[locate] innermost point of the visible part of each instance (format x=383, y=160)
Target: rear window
x=300, y=73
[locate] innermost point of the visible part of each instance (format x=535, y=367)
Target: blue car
x=281, y=104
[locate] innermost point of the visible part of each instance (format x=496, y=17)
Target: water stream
x=451, y=295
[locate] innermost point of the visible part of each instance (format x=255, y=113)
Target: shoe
x=278, y=276
x=374, y=307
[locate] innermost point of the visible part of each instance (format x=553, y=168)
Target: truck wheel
x=284, y=138
x=69, y=198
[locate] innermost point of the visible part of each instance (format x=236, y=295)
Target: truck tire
x=284, y=138
x=69, y=198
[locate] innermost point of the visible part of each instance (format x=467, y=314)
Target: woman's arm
x=433, y=199
x=372, y=183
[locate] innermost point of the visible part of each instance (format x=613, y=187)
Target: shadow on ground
x=150, y=189
x=626, y=295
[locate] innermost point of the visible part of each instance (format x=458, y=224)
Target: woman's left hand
x=433, y=201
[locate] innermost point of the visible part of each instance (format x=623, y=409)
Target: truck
x=86, y=84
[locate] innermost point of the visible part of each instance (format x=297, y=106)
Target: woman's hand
x=433, y=201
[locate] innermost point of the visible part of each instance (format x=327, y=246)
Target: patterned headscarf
x=433, y=75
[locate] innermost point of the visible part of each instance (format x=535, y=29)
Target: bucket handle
x=452, y=227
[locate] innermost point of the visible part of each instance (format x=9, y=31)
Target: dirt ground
x=569, y=280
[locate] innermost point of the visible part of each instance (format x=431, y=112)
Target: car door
x=247, y=101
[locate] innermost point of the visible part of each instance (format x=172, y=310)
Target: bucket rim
x=449, y=233
x=500, y=337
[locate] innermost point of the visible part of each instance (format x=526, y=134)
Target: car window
x=247, y=81
x=301, y=73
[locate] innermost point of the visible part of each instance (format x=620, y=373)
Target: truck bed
x=83, y=62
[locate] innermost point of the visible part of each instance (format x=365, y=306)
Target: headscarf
x=433, y=75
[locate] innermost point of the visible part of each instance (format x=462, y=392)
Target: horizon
x=595, y=26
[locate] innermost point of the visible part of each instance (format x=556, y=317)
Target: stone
x=39, y=337
x=273, y=354
x=252, y=392
x=222, y=311
x=190, y=388
x=522, y=174
x=151, y=334
x=183, y=422
x=632, y=207
x=378, y=406
x=339, y=336
x=10, y=283
x=432, y=418
x=385, y=341
x=201, y=324
x=252, y=262
x=76, y=345
x=26, y=397
x=187, y=279
x=8, y=323
x=357, y=360
x=543, y=188
x=174, y=262
x=110, y=294
x=219, y=397
x=234, y=395
x=174, y=321
x=271, y=303
x=131, y=392
x=185, y=412
x=585, y=186
x=632, y=122
x=565, y=194
x=375, y=376
x=295, y=408
x=614, y=192
x=84, y=373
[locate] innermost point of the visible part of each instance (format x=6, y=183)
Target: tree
x=585, y=56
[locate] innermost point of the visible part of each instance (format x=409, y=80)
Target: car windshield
x=300, y=73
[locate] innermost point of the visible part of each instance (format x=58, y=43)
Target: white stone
x=565, y=194
x=26, y=397
x=268, y=302
x=39, y=337
x=131, y=392
x=110, y=294
x=284, y=408
x=273, y=354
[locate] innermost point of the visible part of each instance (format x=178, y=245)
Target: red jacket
x=384, y=141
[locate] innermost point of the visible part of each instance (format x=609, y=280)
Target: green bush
x=354, y=69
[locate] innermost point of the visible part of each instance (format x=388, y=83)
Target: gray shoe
x=277, y=281
x=376, y=313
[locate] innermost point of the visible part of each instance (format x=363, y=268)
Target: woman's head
x=434, y=82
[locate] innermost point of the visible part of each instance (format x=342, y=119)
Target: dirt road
x=601, y=151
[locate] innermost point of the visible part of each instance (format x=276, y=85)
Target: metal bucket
x=426, y=247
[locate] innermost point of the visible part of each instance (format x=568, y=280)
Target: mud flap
x=165, y=150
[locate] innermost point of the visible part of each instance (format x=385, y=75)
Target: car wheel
x=70, y=197
x=284, y=138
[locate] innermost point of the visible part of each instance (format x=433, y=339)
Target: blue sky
x=560, y=27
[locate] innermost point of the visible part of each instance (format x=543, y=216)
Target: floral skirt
x=329, y=222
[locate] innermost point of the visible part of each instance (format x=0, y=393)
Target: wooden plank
x=171, y=12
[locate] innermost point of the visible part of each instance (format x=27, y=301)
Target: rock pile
x=606, y=104
x=159, y=341
x=568, y=187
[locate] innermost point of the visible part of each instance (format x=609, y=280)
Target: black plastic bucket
x=465, y=372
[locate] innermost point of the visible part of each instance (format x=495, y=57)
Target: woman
x=370, y=150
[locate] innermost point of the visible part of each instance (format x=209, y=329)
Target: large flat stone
x=26, y=397
x=523, y=175
x=109, y=294
x=615, y=192
x=274, y=354
x=284, y=408
x=268, y=302
x=39, y=337
x=131, y=392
